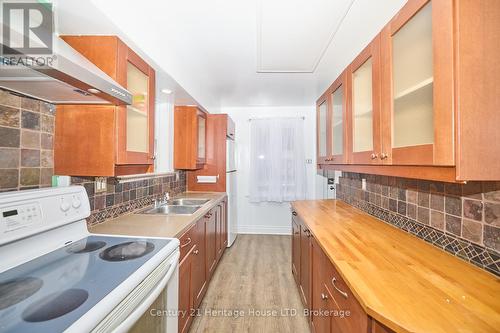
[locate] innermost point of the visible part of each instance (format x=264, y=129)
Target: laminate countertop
x=399, y=279
x=148, y=225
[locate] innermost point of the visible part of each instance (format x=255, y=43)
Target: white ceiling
x=292, y=35
x=214, y=49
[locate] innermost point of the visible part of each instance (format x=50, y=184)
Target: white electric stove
x=55, y=276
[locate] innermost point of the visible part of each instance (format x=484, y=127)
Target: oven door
x=151, y=306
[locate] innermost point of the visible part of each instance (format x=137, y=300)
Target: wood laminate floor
x=253, y=279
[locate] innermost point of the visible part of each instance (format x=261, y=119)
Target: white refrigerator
x=231, y=191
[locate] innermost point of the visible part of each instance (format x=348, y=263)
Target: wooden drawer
x=187, y=241
x=357, y=321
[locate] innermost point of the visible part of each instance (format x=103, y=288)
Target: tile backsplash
x=123, y=197
x=463, y=219
x=26, y=142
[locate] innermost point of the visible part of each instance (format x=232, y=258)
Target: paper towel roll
x=206, y=179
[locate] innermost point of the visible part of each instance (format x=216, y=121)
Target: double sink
x=181, y=206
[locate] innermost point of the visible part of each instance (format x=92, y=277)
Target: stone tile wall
x=125, y=197
x=26, y=142
x=461, y=219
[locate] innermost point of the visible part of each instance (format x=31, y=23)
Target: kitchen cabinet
x=190, y=129
x=199, y=256
x=199, y=279
x=417, y=83
x=108, y=140
x=186, y=268
x=323, y=132
x=364, y=113
x=419, y=104
x=305, y=265
x=339, y=101
x=323, y=305
x=211, y=243
x=296, y=250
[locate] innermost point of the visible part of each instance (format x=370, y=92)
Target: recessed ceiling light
x=166, y=91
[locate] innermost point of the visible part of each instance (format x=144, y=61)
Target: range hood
x=69, y=78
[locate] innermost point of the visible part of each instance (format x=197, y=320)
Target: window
x=277, y=160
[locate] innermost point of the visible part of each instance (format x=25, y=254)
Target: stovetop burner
x=127, y=251
x=17, y=290
x=55, y=305
x=87, y=246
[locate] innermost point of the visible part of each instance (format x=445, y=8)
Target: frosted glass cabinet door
x=322, y=129
x=417, y=85
x=362, y=108
x=364, y=112
x=413, y=78
x=137, y=113
x=338, y=121
x=201, y=138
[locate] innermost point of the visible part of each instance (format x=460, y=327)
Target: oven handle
x=134, y=316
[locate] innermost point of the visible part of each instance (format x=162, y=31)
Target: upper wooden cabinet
x=332, y=140
x=108, y=140
x=322, y=129
x=190, y=138
x=364, y=114
x=417, y=85
x=422, y=98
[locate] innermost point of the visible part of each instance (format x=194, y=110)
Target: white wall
x=268, y=218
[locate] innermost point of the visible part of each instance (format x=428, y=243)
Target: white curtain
x=277, y=160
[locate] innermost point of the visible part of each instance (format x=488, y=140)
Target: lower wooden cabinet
x=211, y=242
x=305, y=265
x=331, y=304
x=199, y=277
x=185, y=292
x=200, y=253
x=296, y=250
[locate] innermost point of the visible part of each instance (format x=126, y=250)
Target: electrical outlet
x=309, y=161
x=363, y=184
x=100, y=185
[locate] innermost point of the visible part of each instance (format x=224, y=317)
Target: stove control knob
x=76, y=203
x=65, y=206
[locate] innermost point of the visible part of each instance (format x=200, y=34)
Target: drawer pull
x=187, y=243
x=343, y=293
x=196, y=251
x=294, y=213
x=324, y=297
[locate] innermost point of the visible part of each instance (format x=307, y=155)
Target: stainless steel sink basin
x=171, y=210
x=188, y=202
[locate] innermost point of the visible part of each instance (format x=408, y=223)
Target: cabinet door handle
x=324, y=297
x=343, y=293
x=196, y=251
x=374, y=156
x=383, y=156
x=307, y=232
x=187, y=243
x=294, y=213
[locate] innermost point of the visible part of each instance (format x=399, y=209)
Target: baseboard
x=264, y=230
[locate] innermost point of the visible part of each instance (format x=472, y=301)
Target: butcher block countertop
x=399, y=279
x=158, y=225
